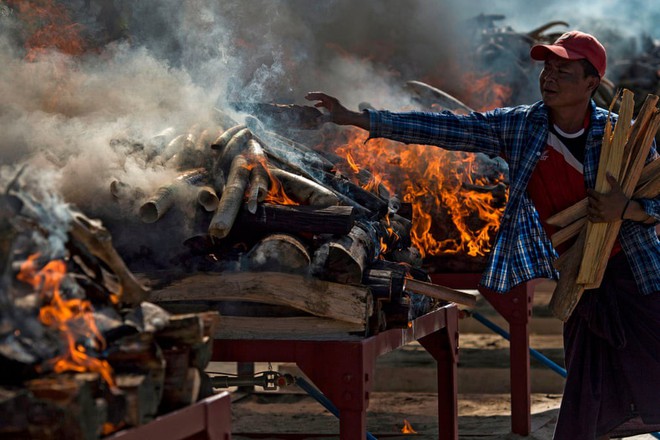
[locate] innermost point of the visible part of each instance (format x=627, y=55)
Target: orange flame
x=50, y=27
x=71, y=317
x=431, y=179
x=407, y=428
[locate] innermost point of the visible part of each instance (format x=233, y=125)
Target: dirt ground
x=481, y=416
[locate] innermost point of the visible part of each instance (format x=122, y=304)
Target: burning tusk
x=259, y=180
x=207, y=197
x=164, y=198
x=431, y=95
x=231, y=199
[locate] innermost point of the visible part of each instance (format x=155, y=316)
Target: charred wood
x=299, y=219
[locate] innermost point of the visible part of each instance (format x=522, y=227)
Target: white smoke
x=155, y=64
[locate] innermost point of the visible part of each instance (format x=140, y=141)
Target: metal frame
x=208, y=419
x=344, y=370
x=516, y=308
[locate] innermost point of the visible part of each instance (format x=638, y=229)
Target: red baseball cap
x=574, y=45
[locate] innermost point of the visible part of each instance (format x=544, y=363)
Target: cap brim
x=541, y=51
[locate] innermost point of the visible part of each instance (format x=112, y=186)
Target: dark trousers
x=612, y=353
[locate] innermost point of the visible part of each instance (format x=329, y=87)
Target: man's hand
x=338, y=113
x=607, y=207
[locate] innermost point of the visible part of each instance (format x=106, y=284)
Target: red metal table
x=208, y=419
x=516, y=308
x=344, y=370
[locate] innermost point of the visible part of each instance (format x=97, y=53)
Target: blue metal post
x=320, y=398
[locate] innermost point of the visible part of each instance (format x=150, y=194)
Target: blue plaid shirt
x=522, y=251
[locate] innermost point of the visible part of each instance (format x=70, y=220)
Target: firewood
x=650, y=173
x=79, y=417
x=303, y=190
x=148, y=317
x=279, y=253
x=231, y=199
x=568, y=232
x=365, y=198
x=25, y=416
x=440, y=292
x=640, y=152
x=570, y=214
x=182, y=330
x=649, y=189
x=601, y=236
x=97, y=240
x=142, y=398
x=298, y=219
x=201, y=354
x=165, y=196
x=177, y=392
x=344, y=259
x=568, y=292
x=386, y=281
x=322, y=298
x=259, y=180
x=612, y=161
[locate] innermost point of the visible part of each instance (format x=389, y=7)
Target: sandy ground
x=481, y=416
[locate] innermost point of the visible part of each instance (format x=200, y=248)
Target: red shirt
x=558, y=179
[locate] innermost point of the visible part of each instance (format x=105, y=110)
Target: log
x=345, y=259
x=321, y=298
x=182, y=330
x=299, y=219
x=74, y=400
x=299, y=328
x=279, y=253
x=440, y=292
x=182, y=382
x=25, y=416
x=92, y=235
x=142, y=398
x=231, y=199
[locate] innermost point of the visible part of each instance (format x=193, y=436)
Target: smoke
x=147, y=66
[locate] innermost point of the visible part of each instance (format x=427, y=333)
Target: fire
x=487, y=91
x=432, y=180
x=407, y=428
x=73, y=318
x=49, y=27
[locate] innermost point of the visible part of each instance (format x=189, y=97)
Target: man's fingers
x=613, y=182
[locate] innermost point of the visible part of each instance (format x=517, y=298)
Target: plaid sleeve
x=476, y=132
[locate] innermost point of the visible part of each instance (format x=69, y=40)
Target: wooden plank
x=343, y=302
x=299, y=328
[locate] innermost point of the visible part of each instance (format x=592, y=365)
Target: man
x=612, y=340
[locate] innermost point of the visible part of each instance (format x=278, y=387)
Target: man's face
x=564, y=84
